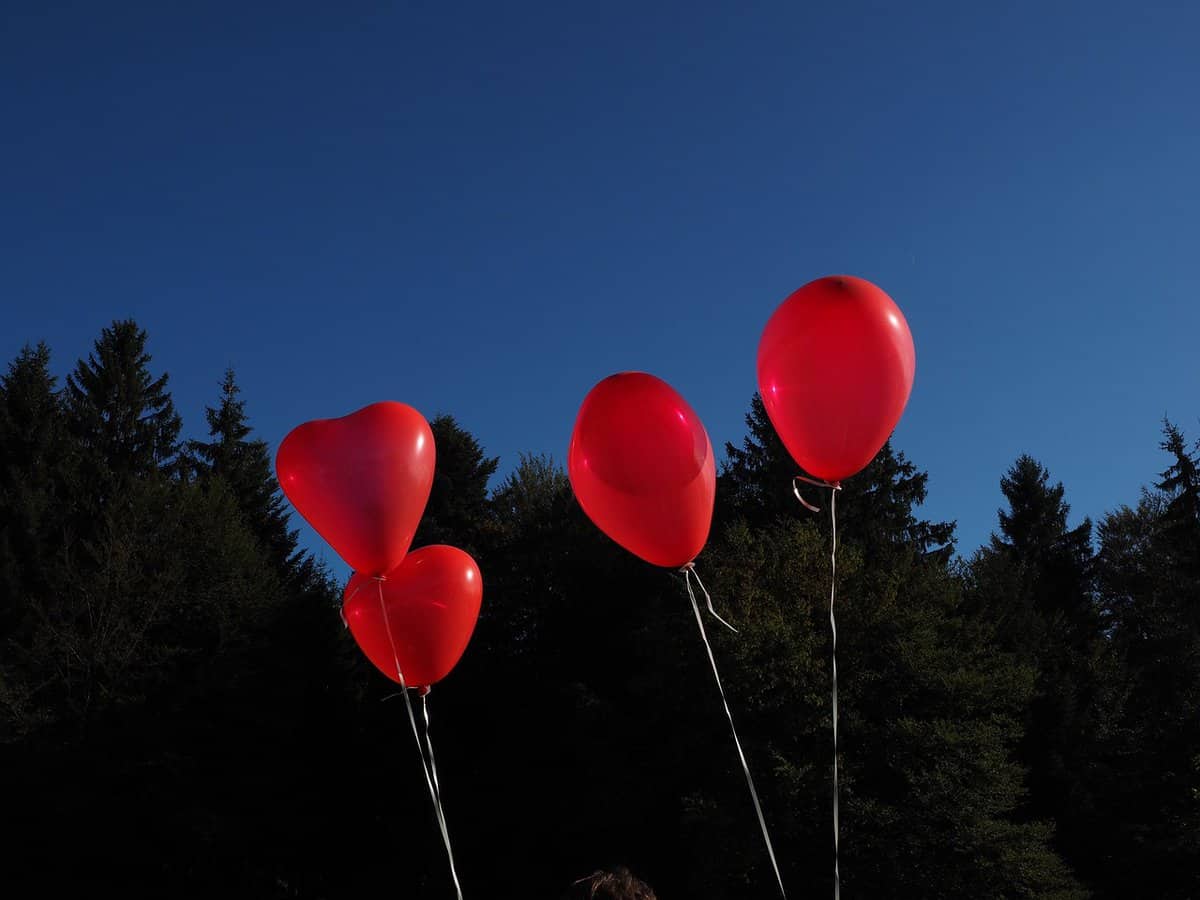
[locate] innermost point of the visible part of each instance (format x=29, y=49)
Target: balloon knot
x=689, y=567
x=379, y=577
x=424, y=690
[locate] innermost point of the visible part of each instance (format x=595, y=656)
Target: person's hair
x=610, y=884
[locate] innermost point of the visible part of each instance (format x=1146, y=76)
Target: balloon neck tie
x=427, y=763
x=833, y=489
x=688, y=573
x=832, y=485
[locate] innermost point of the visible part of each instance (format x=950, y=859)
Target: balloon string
x=690, y=569
x=837, y=878
x=437, y=788
x=688, y=572
x=425, y=766
x=834, y=487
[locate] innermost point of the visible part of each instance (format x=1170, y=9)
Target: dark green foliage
x=245, y=466
x=1150, y=589
x=182, y=714
x=158, y=657
x=457, y=511
x=34, y=506
x=121, y=417
x=756, y=485
x=931, y=708
x=1038, y=584
x=1180, y=484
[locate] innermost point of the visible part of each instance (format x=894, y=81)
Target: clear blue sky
x=485, y=208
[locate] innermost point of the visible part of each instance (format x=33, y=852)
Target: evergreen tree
x=245, y=466
x=756, y=478
x=877, y=504
x=930, y=715
x=121, y=417
x=1035, y=583
x=1148, y=842
x=1050, y=560
x=1180, y=483
x=33, y=454
x=34, y=460
x=932, y=709
x=161, y=639
x=458, y=510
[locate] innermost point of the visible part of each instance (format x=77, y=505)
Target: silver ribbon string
x=690, y=569
x=833, y=489
x=426, y=766
x=837, y=877
x=437, y=788
x=688, y=572
x=357, y=591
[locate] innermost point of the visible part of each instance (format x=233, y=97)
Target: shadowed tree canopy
x=1036, y=583
x=245, y=466
x=932, y=710
x=34, y=506
x=1050, y=560
x=1180, y=484
x=458, y=510
x=878, y=504
x=33, y=454
x=181, y=708
x=1148, y=805
x=121, y=416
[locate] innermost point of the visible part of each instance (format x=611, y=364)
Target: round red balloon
x=835, y=370
x=362, y=481
x=642, y=468
x=432, y=601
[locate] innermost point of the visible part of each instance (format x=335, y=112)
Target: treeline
x=182, y=713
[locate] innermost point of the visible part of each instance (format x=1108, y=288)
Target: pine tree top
x=118, y=411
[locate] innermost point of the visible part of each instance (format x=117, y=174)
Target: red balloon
x=362, y=481
x=642, y=468
x=432, y=601
x=835, y=369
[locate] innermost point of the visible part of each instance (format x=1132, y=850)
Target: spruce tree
x=1035, y=583
x=1180, y=483
x=1050, y=559
x=121, y=416
x=877, y=505
x=756, y=477
x=930, y=717
x=932, y=708
x=458, y=510
x=34, y=463
x=244, y=464
x=1148, y=842
x=33, y=457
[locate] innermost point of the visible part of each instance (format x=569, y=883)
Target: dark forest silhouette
x=182, y=713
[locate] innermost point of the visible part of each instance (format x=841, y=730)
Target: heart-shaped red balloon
x=835, y=369
x=362, y=481
x=642, y=468
x=432, y=601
